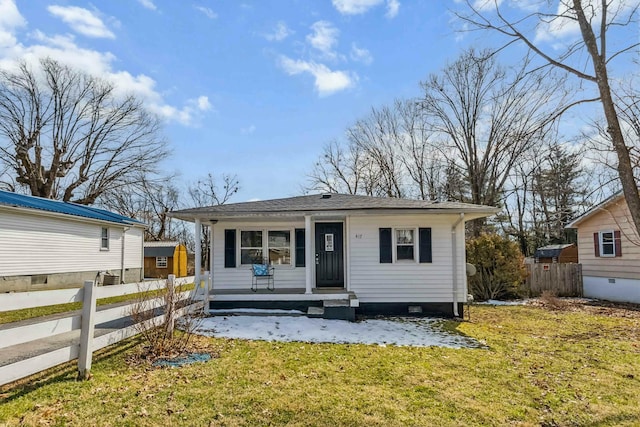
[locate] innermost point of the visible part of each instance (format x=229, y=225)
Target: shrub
x=499, y=264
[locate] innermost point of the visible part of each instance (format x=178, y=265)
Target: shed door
x=329, y=254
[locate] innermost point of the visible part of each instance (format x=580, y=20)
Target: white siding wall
x=405, y=281
x=370, y=280
x=36, y=244
x=286, y=277
x=133, y=248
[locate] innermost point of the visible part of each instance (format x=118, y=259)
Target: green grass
x=28, y=313
x=539, y=368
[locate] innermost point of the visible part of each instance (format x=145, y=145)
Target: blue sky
x=254, y=87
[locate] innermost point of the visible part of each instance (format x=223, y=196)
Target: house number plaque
x=328, y=242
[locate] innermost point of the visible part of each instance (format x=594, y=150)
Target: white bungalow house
x=370, y=254
x=48, y=244
x=609, y=251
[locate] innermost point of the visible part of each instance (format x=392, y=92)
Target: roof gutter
x=454, y=260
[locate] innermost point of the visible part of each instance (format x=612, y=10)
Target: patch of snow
x=400, y=331
x=255, y=310
x=498, y=302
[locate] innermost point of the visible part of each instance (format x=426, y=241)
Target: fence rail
x=563, y=279
x=76, y=330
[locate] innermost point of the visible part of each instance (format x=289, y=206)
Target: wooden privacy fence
x=32, y=346
x=563, y=279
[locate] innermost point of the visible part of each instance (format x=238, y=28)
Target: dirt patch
x=595, y=307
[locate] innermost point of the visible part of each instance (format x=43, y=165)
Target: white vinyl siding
x=286, y=276
x=404, y=281
x=39, y=244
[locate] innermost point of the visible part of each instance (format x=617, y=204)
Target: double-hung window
x=607, y=244
x=251, y=247
x=405, y=244
x=279, y=247
x=104, y=239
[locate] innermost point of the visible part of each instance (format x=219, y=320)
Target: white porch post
x=308, y=254
x=210, y=283
x=198, y=256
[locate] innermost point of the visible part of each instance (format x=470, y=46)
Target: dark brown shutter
x=596, y=244
x=385, y=246
x=300, y=247
x=229, y=248
x=424, y=235
x=617, y=242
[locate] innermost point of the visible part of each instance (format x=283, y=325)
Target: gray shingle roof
x=328, y=203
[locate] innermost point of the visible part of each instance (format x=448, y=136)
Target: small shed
x=164, y=258
x=563, y=253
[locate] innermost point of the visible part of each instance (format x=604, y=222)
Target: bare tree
x=485, y=117
x=208, y=192
x=598, y=22
x=67, y=135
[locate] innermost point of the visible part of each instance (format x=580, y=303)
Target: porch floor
x=290, y=294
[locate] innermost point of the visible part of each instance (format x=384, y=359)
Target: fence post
x=171, y=305
x=87, y=331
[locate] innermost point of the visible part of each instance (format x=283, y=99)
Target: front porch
x=328, y=303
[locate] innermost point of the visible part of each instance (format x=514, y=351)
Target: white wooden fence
x=34, y=332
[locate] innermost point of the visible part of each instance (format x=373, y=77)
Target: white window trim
x=265, y=245
x=105, y=248
x=394, y=245
x=601, y=243
x=166, y=262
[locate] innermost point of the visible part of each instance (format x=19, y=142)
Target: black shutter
x=229, y=248
x=385, y=246
x=425, y=244
x=300, y=255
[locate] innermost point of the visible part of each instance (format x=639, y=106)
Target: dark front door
x=329, y=255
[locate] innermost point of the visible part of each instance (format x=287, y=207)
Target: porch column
x=198, y=255
x=308, y=254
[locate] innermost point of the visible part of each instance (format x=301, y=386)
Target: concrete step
x=336, y=303
x=316, y=312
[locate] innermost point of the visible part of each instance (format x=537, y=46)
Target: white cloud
x=10, y=20
x=360, y=54
x=82, y=21
x=208, y=12
x=327, y=81
x=203, y=103
x=324, y=38
x=355, y=7
x=393, y=6
x=487, y=5
x=101, y=64
x=279, y=33
x=148, y=4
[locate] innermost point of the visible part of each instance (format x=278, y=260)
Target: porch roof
x=330, y=204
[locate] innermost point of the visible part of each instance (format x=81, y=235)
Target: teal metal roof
x=67, y=208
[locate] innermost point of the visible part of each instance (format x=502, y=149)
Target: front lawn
x=540, y=367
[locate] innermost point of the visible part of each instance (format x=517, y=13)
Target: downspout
x=454, y=258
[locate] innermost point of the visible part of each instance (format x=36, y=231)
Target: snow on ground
x=417, y=332
x=498, y=302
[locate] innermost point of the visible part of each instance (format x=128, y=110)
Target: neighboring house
x=384, y=255
x=609, y=251
x=48, y=244
x=562, y=253
x=164, y=258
